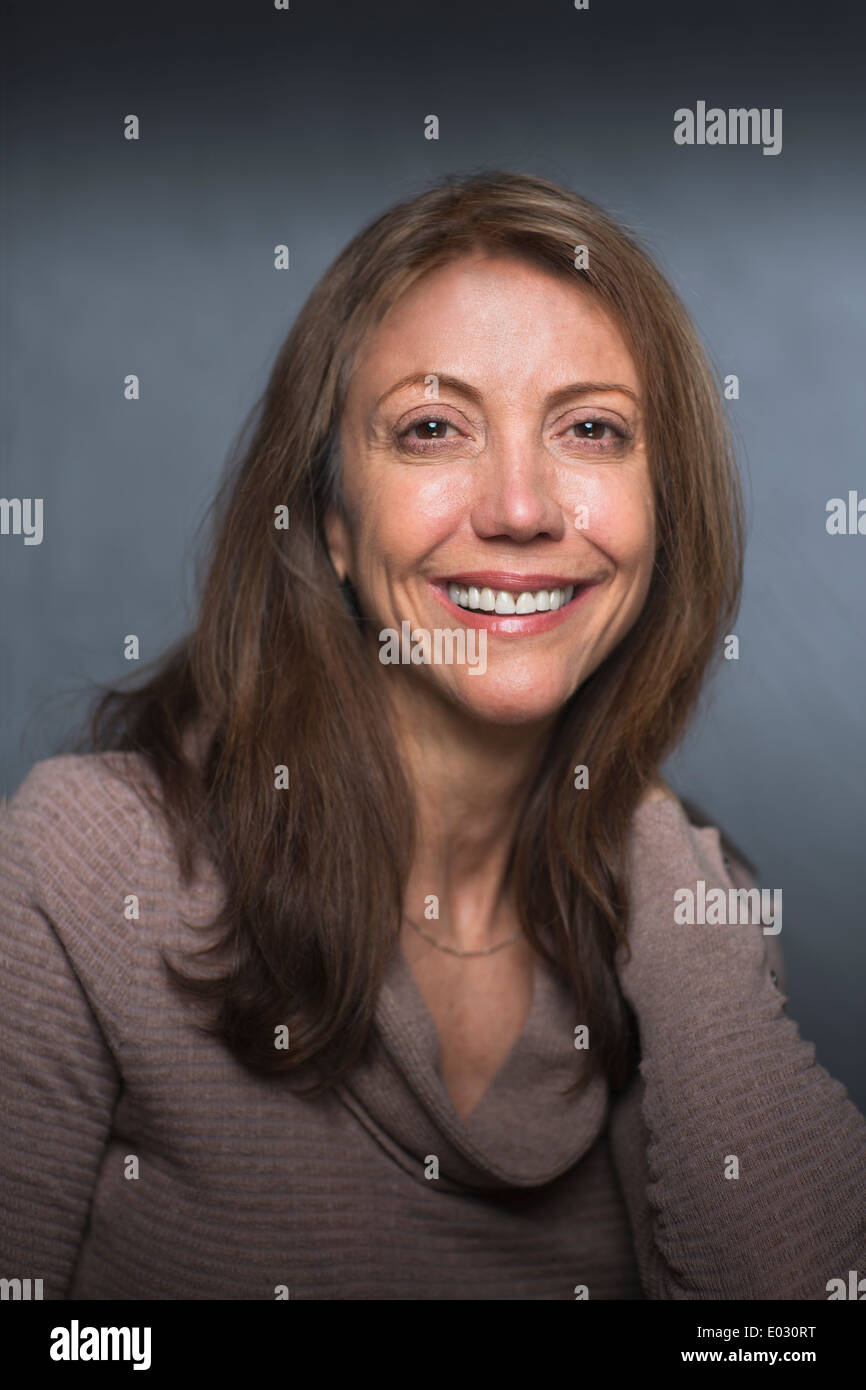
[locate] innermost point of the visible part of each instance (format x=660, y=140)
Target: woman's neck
x=469, y=780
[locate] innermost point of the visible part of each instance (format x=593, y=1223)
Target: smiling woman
x=331, y=963
x=481, y=504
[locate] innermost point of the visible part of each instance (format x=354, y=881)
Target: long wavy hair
x=276, y=670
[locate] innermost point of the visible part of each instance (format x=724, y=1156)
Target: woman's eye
x=421, y=435
x=593, y=430
x=432, y=428
x=596, y=436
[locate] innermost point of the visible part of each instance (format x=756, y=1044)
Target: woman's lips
x=512, y=625
x=512, y=580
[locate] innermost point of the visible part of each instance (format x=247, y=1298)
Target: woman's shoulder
x=673, y=842
x=682, y=821
x=74, y=834
x=71, y=879
x=93, y=803
x=89, y=876
x=89, y=896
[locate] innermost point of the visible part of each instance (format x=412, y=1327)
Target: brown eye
x=421, y=435
x=592, y=429
x=603, y=435
x=428, y=429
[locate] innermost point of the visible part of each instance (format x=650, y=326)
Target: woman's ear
x=338, y=540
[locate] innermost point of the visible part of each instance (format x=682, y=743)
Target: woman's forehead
x=498, y=321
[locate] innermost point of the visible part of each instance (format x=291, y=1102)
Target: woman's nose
x=514, y=495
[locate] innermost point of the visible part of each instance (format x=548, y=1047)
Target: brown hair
x=276, y=669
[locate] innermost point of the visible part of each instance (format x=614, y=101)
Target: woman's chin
x=497, y=701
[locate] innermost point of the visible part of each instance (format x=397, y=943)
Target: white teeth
x=507, y=602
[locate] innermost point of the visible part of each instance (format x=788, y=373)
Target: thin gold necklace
x=455, y=950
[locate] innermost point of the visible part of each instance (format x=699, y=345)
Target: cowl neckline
x=526, y=1129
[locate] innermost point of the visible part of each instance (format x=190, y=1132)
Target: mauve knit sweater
x=246, y=1189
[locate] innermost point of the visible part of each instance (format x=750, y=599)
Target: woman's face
x=496, y=482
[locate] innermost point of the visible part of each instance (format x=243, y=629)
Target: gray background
x=261, y=127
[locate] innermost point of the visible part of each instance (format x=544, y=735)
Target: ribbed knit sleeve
x=744, y=1162
x=66, y=843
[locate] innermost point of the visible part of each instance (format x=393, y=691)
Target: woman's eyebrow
x=585, y=388
x=454, y=383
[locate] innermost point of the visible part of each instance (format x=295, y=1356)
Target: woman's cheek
x=415, y=513
x=615, y=514
x=435, y=496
